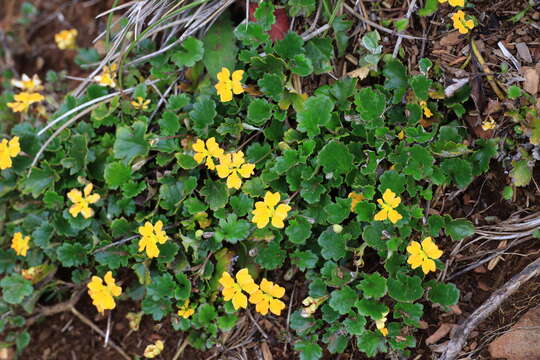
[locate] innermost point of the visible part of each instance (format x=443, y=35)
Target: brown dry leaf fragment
x=483, y=286
x=480, y=269
x=456, y=309
x=523, y=51
x=441, y=332
x=267, y=354
x=360, y=73
x=451, y=39
x=423, y=325
x=532, y=79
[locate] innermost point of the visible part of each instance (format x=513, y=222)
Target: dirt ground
x=64, y=336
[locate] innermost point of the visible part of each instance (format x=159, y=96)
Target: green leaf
x=425, y=64
x=291, y=46
x=410, y=313
x=521, y=172
x=401, y=24
x=116, y=174
x=265, y=14
x=321, y=52
x=169, y=123
x=191, y=51
x=162, y=286
x=392, y=180
x=113, y=258
x=259, y=112
x=186, y=161
x=203, y=114
x=298, y=230
x=301, y=7
x=514, y=92
x=420, y=85
x=333, y=245
x=173, y=191
x=130, y=142
x=53, y=200
x=459, y=228
x=370, y=104
x=355, y=324
x=220, y=46
x=396, y=79
x=251, y=34
x=183, y=289
x=301, y=65
x=337, y=212
x=343, y=300
x=316, y=113
x=373, y=285
x=71, y=254
x=271, y=256
x=370, y=343
x=232, y=229
x=205, y=314
x=157, y=308
x=271, y=85
x=459, y=170
x=215, y=193
x=241, y=204
x=372, y=308
x=15, y=288
x=39, y=180
x=405, y=288
x=308, y=350
x=78, y=154
x=444, y=294
x=304, y=259
x=335, y=158
x=177, y=102
x=429, y=8
x=371, y=42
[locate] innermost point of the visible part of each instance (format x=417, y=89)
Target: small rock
x=522, y=341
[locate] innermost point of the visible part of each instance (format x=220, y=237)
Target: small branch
x=412, y=6
x=93, y=326
x=486, y=70
x=256, y=324
x=55, y=309
x=181, y=349
x=462, y=332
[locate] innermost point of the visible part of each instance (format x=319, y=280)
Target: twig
x=486, y=70
x=93, y=326
x=181, y=349
x=256, y=324
x=412, y=6
x=380, y=27
x=462, y=332
x=55, y=309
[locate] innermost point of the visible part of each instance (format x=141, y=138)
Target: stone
x=522, y=341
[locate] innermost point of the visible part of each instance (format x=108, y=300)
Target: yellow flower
x=8, y=149
x=23, y=101
x=489, y=124
x=462, y=25
x=233, y=290
x=20, y=243
x=107, y=76
x=150, y=236
x=381, y=324
x=355, y=199
x=266, y=210
x=227, y=86
x=185, y=311
x=66, y=39
x=81, y=202
x=388, y=203
x=140, y=103
x=28, y=84
x=454, y=3
x=422, y=255
x=208, y=152
x=401, y=135
x=267, y=298
x=103, y=294
x=427, y=111
x=231, y=166
x=154, y=350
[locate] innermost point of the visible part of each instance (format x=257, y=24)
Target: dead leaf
x=532, y=78
x=523, y=51
x=480, y=269
x=483, y=286
x=423, y=325
x=360, y=73
x=456, y=309
x=451, y=39
x=441, y=332
x=267, y=354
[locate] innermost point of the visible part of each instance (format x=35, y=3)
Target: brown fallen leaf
x=423, y=325
x=267, y=354
x=456, y=309
x=441, y=332
x=451, y=39
x=531, y=80
x=483, y=286
x=480, y=269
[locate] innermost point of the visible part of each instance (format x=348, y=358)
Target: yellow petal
x=233, y=181
x=431, y=249
x=415, y=261
x=239, y=300
x=88, y=189
x=237, y=159
x=14, y=147
x=226, y=280
x=237, y=75
x=213, y=147
x=414, y=248
x=224, y=74
x=246, y=170
x=276, y=306
x=222, y=171
x=428, y=265
x=198, y=146
x=262, y=307
x=394, y=216
x=94, y=198
x=87, y=212
x=381, y=215
x=391, y=199
x=271, y=199
x=281, y=211
x=75, y=196
x=199, y=157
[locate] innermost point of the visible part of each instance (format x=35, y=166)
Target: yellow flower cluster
x=103, y=294
x=355, y=199
x=462, y=24
x=66, y=39
x=489, y=124
x=107, y=76
x=454, y=3
x=381, y=324
x=20, y=243
x=226, y=85
x=426, y=109
x=8, y=149
x=153, y=350
x=82, y=201
x=423, y=255
x=140, y=103
x=265, y=296
x=388, y=203
x=266, y=211
x=232, y=166
x=151, y=235
x=29, y=94
x=185, y=310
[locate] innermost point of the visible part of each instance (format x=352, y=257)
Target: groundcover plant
x=202, y=200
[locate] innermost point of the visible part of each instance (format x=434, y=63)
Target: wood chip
x=451, y=39
x=456, y=309
x=441, y=332
x=523, y=51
